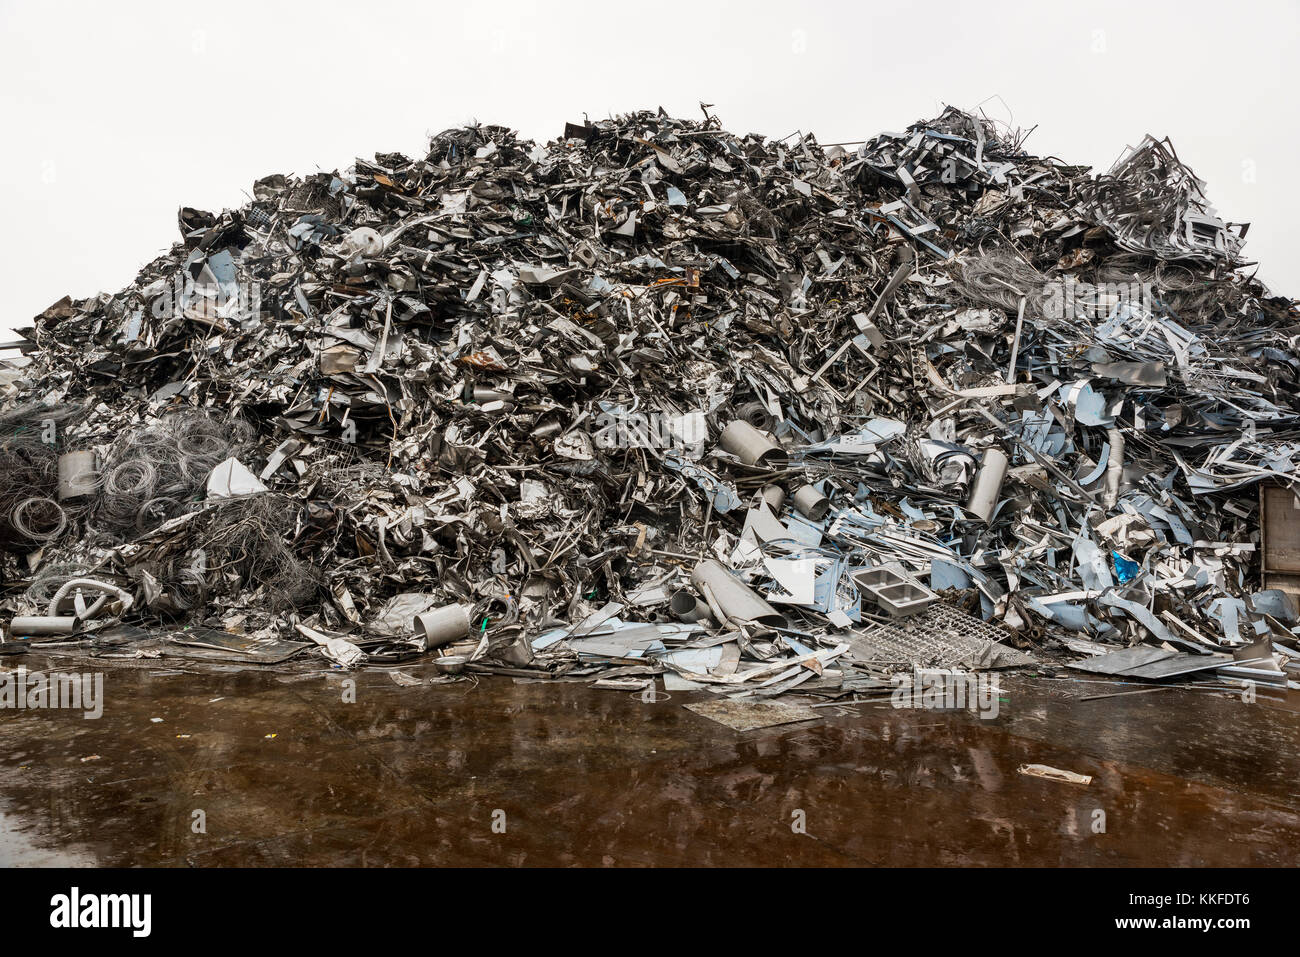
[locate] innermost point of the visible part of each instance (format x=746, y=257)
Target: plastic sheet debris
x=753, y=715
x=231, y=479
x=1055, y=774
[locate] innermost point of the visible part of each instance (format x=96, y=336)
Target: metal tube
x=443, y=625
x=687, y=607
x=811, y=503
x=988, y=483
x=43, y=625
x=715, y=609
x=774, y=496
x=750, y=445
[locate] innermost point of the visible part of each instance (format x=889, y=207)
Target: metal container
x=78, y=475
x=451, y=664
x=871, y=578
x=893, y=591
x=903, y=599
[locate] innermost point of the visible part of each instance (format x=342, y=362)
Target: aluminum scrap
x=497, y=377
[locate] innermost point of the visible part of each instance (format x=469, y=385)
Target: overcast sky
x=117, y=114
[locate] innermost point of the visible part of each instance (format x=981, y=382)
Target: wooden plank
x=1279, y=529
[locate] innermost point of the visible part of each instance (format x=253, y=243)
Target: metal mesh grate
x=941, y=635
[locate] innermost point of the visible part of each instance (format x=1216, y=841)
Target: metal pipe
x=750, y=445
x=43, y=625
x=714, y=608
x=811, y=503
x=443, y=625
x=774, y=496
x=988, y=483
x=735, y=599
x=687, y=607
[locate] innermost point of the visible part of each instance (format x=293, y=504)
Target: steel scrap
x=655, y=399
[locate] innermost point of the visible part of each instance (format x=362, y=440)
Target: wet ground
x=285, y=771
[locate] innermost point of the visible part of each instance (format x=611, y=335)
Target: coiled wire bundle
x=29, y=477
x=38, y=519
x=158, y=471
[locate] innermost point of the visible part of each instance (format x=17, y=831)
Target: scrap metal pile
x=656, y=397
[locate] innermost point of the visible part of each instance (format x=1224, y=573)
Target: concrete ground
x=286, y=772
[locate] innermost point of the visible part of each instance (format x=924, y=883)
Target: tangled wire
x=29, y=477
x=246, y=543
x=999, y=279
x=157, y=472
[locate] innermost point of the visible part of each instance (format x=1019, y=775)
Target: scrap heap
x=656, y=397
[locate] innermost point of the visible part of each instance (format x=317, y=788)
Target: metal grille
x=941, y=635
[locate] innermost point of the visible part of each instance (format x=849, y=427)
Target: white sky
x=118, y=114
